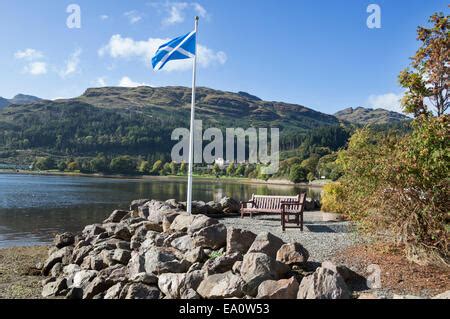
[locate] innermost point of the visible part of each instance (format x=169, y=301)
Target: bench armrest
x=245, y=203
x=287, y=204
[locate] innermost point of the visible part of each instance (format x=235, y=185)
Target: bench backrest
x=274, y=202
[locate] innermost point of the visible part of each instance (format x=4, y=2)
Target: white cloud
x=71, y=64
x=36, y=68
x=29, y=55
x=176, y=11
x=101, y=81
x=104, y=17
x=127, y=82
x=133, y=16
x=126, y=48
x=388, y=101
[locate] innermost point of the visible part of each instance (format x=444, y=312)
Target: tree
x=99, y=163
x=145, y=167
x=230, y=169
x=240, y=170
x=62, y=166
x=183, y=169
x=310, y=164
x=157, y=166
x=297, y=174
x=173, y=168
x=72, y=166
x=123, y=164
x=310, y=177
x=216, y=170
x=166, y=169
x=428, y=81
x=45, y=163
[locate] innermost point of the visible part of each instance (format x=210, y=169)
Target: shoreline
x=279, y=182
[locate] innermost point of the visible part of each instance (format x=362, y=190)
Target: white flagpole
x=191, y=134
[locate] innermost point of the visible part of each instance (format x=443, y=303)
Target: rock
x=54, y=288
x=183, y=243
x=199, y=208
x=122, y=256
x=166, y=224
x=137, y=203
x=195, y=255
x=155, y=211
x=278, y=289
x=444, y=295
x=173, y=203
x=97, y=261
x=63, y=256
x=293, y=254
x=95, y=287
x=230, y=205
x=195, y=266
x=266, y=243
x=160, y=260
x=323, y=284
x=107, y=258
x=193, y=279
x=221, y=264
x=114, y=291
x=136, y=264
x=122, y=244
x=213, y=237
x=141, y=291
x=259, y=267
x=171, y=284
x=80, y=253
x=122, y=232
x=144, y=278
x=93, y=230
x=74, y=293
x=63, y=240
x=182, y=222
x=116, y=216
x=199, y=222
x=236, y=269
x=56, y=270
x=350, y=277
x=219, y=286
x=82, y=278
x=190, y=294
x=238, y=240
x=115, y=274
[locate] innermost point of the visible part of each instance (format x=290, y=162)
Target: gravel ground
x=321, y=239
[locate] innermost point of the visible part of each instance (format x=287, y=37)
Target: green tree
x=100, y=163
x=173, y=168
x=310, y=164
x=230, y=169
x=310, y=177
x=62, y=166
x=166, y=169
x=123, y=164
x=145, y=167
x=240, y=170
x=73, y=166
x=216, y=170
x=428, y=79
x=45, y=163
x=297, y=174
x=157, y=167
x=183, y=168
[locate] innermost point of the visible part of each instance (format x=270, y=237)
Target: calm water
x=34, y=208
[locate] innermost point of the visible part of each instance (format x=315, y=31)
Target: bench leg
x=301, y=221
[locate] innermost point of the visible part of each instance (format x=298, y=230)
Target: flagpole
x=191, y=133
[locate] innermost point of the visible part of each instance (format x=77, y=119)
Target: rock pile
x=156, y=250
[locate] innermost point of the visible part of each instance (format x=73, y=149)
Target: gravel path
x=321, y=239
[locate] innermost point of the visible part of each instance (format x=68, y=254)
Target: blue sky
x=320, y=54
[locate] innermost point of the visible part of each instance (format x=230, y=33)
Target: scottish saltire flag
x=177, y=49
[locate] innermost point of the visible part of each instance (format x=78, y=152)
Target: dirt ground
x=398, y=275
x=19, y=279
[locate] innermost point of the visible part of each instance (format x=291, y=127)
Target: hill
x=363, y=116
x=19, y=99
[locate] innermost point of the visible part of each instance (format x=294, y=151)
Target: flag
x=177, y=49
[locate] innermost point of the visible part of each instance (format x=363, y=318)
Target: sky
x=317, y=53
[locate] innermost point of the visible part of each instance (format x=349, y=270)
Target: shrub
x=333, y=198
x=297, y=174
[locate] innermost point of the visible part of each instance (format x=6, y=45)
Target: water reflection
x=33, y=208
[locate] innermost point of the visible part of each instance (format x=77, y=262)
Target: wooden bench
x=286, y=206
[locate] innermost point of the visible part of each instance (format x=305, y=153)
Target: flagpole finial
x=197, y=18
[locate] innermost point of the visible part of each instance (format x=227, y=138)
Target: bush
x=333, y=198
x=297, y=174
x=45, y=163
x=123, y=164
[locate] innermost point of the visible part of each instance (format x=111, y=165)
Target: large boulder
x=114, y=291
x=293, y=254
x=122, y=232
x=219, y=286
x=195, y=255
x=230, y=205
x=93, y=230
x=239, y=240
x=259, y=267
x=266, y=243
x=221, y=264
x=183, y=243
x=214, y=237
x=278, y=289
x=137, y=203
x=159, y=260
x=136, y=264
x=182, y=222
x=142, y=291
x=82, y=278
x=63, y=240
x=80, y=253
x=200, y=222
x=116, y=216
x=63, y=256
x=121, y=256
x=95, y=287
x=323, y=284
x=54, y=288
x=171, y=284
